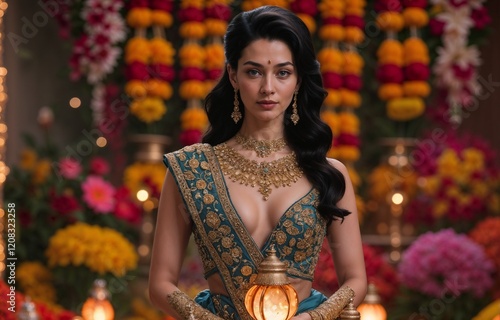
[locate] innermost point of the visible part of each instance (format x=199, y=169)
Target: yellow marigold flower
x=389, y=91
x=194, y=118
x=137, y=49
x=350, y=98
x=331, y=32
x=159, y=88
x=348, y=153
x=349, y=123
x=405, y=109
x=136, y=89
x=353, y=63
x=248, y=5
x=333, y=98
x=415, y=17
x=148, y=109
x=136, y=173
x=490, y=312
x=308, y=21
x=105, y=250
x=448, y=163
x=192, y=3
x=214, y=54
x=28, y=159
x=215, y=27
x=192, y=55
x=390, y=21
x=41, y=171
x=354, y=35
x=35, y=280
x=161, y=18
x=333, y=153
x=333, y=8
x=192, y=30
x=416, y=89
x=473, y=160
x=332, y=120
x=355, y=10
x=279, y=3
x=162, y=51
x=331, y=59
x=431, y=185
x=355, y=3
x=390, y=51
x=139, y=17
x=384, y=178
x=192, y=89
x=440, y=209
x=480, y=189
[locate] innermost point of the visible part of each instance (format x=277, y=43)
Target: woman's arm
x=173, y=229
x=345, y=242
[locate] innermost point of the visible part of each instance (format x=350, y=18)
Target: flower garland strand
x=306, y=10
x=192, y=56
x=247, y=5
x=149, y=62
x=457, y=62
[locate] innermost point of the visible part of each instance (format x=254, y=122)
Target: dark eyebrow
x=279, y=65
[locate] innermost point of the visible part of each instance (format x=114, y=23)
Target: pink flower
x=99, y=166
x=446, y=262
x=69, y=168
x=98, y=194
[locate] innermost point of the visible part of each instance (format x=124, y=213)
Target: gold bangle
x=332, y=308
x=187, y=308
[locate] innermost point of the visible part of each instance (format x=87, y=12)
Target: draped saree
x=225, y=245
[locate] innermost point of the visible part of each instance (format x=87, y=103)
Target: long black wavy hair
x=311, y=138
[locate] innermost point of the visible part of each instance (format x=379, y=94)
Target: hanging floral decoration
x=457, y=59
x=306, y=10
x=247, y=5
x=458, y=184
x=192, y=56
x=149, y=69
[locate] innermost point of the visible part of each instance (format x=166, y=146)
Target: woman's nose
x=267, y=85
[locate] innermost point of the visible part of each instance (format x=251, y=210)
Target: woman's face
x=266, y=79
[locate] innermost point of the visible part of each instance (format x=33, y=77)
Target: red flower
x=164, y=5
x=389, y=73
x=463, y=74
x=417, y=72
x=481, y=18
x=214, y=74
x=388, y=5
x=332, y=80
x=436, y=26
x=64, y=204
x=99, y=166
x=354, y=21
x=137, y=71
x=304, y=6
x=192, y=73
x=138, y=4
x=347, y=139
x=162, y=72
x=219, y=11
x=189, y=137
x=125, y=208
x=332, y=20
x=352, y=82
x=458, y=3
x=190, y=14
x=415, y=3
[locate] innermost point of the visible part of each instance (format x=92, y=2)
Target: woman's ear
x=232, y=76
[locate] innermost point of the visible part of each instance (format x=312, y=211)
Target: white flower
x=457, y=22
x=116, y=28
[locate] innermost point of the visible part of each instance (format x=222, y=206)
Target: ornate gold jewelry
x=187, y=308
x=295, y=115
x=280, y=173
x=263, y=148
x=332, y=308
x=236, y=114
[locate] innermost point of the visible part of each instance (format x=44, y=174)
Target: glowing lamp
x=371, y=309
x=271, y=297
x=97, y=306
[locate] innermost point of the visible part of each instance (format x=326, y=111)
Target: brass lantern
x=371, y=309
x=97, y=306
x=271, y=297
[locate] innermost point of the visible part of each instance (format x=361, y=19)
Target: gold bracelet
x=332, y=308
x=187, y=308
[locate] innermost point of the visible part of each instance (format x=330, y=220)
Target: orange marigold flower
x=415, y=17
x=159, y=88
x=161, y=18
x=136, y=89
x=333, y=98
x=192, y=30
x=390, y=91
x=390, y=51
x=192, y=89
x=416, y=89
x=332, y=32
x=308, y=21
x=192, y=55
x=354, y=35
x=350, y=98
x=139, y=17
x=331, y=59
x=215, y=27
x=137, y=49
x=390, y=21
x=404, y=109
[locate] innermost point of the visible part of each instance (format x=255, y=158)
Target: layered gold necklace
x=263, y=148
x=278, y=173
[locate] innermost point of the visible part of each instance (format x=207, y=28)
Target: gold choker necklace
x=280, y=173
x=263, y=148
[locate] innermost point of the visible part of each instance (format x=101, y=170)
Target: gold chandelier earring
x=236, y=114
x=295, y=115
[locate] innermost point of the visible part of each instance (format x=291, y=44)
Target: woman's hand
x=302, y=316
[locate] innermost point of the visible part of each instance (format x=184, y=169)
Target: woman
x=261, y=178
